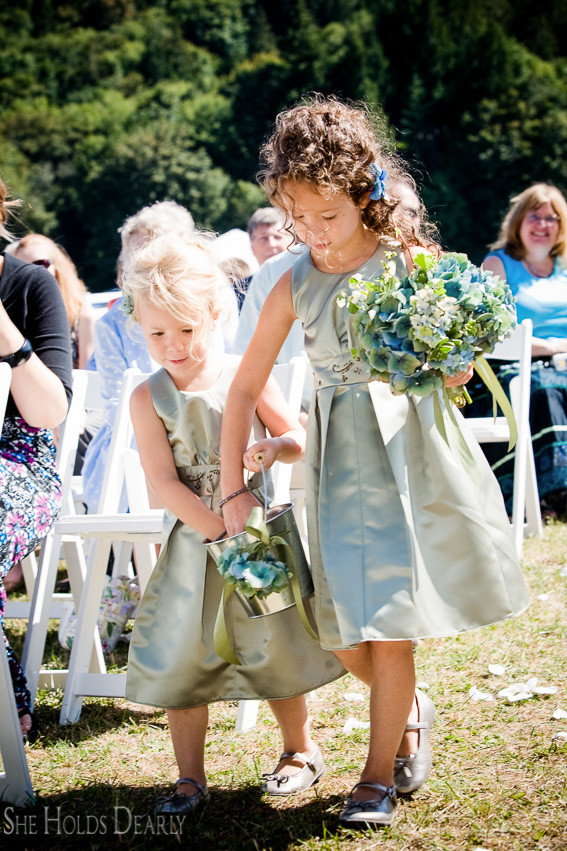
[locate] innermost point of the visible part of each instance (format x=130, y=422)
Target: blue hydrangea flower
x=414, y=330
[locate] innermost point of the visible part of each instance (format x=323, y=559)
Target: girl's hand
x=460, y=378
x=236, y=512
x=266, y=450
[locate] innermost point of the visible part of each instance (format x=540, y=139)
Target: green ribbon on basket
x=258, y=528
x=450, y=430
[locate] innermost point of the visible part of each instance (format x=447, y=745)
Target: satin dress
x=172, y=662
x=404, y=540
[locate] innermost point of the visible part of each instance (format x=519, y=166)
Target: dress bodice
x=193, y=420
x=328, y=337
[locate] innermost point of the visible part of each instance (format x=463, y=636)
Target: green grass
x=498, y=780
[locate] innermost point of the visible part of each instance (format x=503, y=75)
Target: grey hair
x=265, y=216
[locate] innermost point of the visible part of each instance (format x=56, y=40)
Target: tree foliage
x=108, y=105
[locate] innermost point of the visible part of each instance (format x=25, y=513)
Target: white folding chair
x=45, y=602
x=104, y=529
x=526, y=513
x=15, y=783
x=68, y=439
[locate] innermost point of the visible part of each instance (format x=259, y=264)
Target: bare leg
x=392, y=689
x=293, y=719
x=188, y=728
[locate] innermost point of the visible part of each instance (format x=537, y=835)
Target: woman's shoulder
x=20, y=277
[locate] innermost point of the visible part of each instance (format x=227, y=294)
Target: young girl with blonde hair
x=404, y=542
x=174, y=288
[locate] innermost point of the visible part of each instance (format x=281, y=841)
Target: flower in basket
x=253, y=570
x=435, y=321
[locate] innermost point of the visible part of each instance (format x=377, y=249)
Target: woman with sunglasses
x=531, y=255
x=42, y=251
x=34, y=341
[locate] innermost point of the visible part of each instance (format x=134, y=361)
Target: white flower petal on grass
x=543, y=597
x=515, y=692
x=354, y=695
x=545, y=690
x=354, y=724
x=561, y=736
x=563, y=572
x=559, y=714
x=476, y=694
x=423, y=685
x=497, y=670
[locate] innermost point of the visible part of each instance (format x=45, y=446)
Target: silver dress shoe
x=177, y=803
x=376, y=812
x=304, y=778
x=411, y=772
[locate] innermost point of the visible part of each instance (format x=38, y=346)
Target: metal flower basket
x=270, y=535
x=280, y=522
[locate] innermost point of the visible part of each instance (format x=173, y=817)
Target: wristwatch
x=19, y=357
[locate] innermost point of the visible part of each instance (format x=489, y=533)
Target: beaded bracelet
x=232, y=495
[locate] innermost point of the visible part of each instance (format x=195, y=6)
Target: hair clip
x=380, y=175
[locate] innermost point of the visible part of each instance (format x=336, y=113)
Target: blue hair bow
x=380, y=175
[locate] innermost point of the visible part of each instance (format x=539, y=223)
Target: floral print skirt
x=30, y=499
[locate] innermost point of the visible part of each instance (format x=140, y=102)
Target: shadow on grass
x=96, y=718
x=102, y=816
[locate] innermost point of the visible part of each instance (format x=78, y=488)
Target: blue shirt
x=543, y=300
x=118, y=345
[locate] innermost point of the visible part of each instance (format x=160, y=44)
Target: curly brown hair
x=331, y=145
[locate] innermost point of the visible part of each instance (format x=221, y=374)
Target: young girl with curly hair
x=404, y=541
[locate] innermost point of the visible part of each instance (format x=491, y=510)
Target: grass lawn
x=498, y=780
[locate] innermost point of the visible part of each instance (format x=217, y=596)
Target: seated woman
x=34, y=341
x=42, y=251
x=531, y=255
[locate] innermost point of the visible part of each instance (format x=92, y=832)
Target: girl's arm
x=276, y=318
x=287, y=440
x=159, y=466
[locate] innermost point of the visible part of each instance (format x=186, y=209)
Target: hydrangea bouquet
x=253, y=570
x=435, y=321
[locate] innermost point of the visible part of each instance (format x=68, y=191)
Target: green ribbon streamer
x=449, y=429
x=258, y=528
x=485, y=372
x=223, y=647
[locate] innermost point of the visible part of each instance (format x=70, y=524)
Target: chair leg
x=534, y=525
x=36, y=633
x=15, y=783
x=87, y=635
x=247, y=715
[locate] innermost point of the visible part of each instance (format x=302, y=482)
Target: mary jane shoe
x=379, y=811
x=178, y=804
x=290, y=784
x=411, y=772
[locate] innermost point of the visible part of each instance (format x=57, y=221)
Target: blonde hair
x=154, y=220
x=332, y=145
x=178, y=275
x=5, y=210
x=73, y=290
x=532, y=199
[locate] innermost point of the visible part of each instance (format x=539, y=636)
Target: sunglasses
x=45, y=263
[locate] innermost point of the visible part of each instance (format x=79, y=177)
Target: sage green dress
x=172, y=662
x=405, y=541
